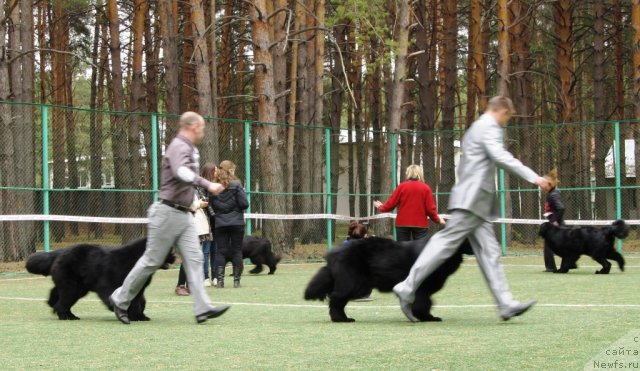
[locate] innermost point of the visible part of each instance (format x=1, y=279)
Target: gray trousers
x=167, y=227
x=463, y=224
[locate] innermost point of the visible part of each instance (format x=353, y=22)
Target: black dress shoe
x=121, y=314
x=213, y=313
x=516, y=310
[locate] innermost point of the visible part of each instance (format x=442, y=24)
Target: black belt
x=175, y=206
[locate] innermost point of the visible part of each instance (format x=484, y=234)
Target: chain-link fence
x=69, y=175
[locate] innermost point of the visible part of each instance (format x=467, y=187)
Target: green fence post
x=616, y=145
x=45, y=175
x=327, y=139
x=503, y=213
x=247, y=170
x=394, y=170
x=154, y=156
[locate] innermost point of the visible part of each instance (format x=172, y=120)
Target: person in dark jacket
x=554, y=211
x=229, y=207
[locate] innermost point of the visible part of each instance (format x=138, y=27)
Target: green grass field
x=270, y=326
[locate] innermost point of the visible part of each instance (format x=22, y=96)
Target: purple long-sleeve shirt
x=179, y=172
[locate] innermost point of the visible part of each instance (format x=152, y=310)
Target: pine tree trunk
x=635, y=24
x=270, y=143
x=209, y=147
x=503, y=48
x=168, y=24
x=568, y=135
x=98, y=53
x=119, y=125
x=475, y=19
x=8, y=235
x=599, y=108
x=448, y=100
x=59, y=41
x=522, y=88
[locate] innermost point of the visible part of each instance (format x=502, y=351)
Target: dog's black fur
x=353, y=270
x=259, y=251
x=598, y=243
x=78, y=269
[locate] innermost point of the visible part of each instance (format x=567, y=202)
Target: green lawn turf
x=270, y=326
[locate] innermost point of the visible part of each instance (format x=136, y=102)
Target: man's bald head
x=192, y=126
x=189, y=119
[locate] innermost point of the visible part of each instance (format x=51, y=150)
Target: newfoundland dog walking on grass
x=598, y=243
x=259, y=251
x=78, y=269
x=352, y=271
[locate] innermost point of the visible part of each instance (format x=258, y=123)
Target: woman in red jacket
x=414, y=200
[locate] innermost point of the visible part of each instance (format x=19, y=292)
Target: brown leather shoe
x=182, y=290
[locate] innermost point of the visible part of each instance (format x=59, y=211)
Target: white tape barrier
x=110, y=220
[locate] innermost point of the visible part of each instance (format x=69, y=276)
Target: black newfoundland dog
x=352, y=271
x=598, y=243
x=258, y=250
x=78, y=269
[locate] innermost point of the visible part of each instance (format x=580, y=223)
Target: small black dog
x=259, y=251
x=353, y=271
x=78, y=269
x=598, y=243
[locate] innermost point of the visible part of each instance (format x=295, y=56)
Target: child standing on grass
x=554, y=212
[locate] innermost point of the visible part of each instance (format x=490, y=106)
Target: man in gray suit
x=171, y=222
x=473, y=204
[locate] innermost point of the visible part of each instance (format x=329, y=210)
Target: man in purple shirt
x=171, y=223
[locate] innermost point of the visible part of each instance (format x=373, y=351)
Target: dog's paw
x=602, y=271
x=68, y=317
x=343, y=320
x=432, y=319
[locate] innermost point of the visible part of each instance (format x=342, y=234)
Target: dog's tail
x=620, y=229
x=320, y=285
x=41, y=262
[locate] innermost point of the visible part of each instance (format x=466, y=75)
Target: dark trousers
x=410, y=233
x=229, y=245
x=549, y=261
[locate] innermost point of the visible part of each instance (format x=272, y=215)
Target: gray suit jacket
x=482, y=151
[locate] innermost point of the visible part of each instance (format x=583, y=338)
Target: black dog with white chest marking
x=78, y=269
x=598, y=243
x=352, y=271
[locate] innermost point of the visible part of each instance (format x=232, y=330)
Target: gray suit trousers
x=463, y=224
x=167, y=227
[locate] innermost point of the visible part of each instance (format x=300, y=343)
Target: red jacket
x=415, y=203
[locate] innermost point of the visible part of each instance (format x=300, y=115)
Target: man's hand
x=442, y=221
x=543, y=183
x=203, y=204
x=377, y=204
x=215, y=188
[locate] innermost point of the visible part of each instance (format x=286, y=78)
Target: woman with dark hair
x=356, y=231
x=229, y=207
x=202, y=215
x=554, y=212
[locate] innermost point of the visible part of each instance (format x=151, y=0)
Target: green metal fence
x=101, y=164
